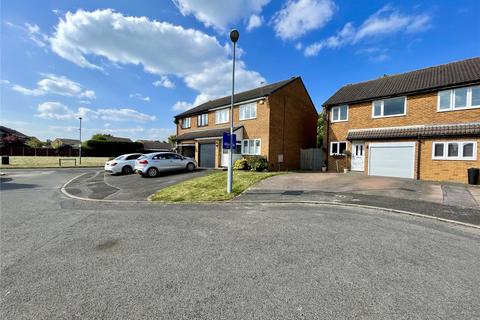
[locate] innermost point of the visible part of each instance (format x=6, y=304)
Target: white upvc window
x=337, y=147
x=202, y=120
x=458, y=99
x=186, y=123
x=393, y=107
x=454, y=150
x=251, y=146
x=248, y=111
x=221, y=116
x=339, y=113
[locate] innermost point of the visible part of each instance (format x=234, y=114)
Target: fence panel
x=311, y=159
x=39, y=152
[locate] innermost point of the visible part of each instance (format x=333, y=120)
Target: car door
x=130, y=160
x=179, y=161
x=162, y=162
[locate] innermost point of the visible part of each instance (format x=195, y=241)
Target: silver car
x=122, y=164
x=151, y=164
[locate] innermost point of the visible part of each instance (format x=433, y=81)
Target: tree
x=100, y=137
x=12, y=140
x=172, y=139
x=34, y=143
x=320, y=130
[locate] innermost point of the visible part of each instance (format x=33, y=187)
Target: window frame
x=338, y=147
x=332, y=120
x=254, y=147
x=460, y=156
x=382, y=108
x=452, y=99
x=245, y=105
x=184, y=122
x=218, y=112
x=200, y=117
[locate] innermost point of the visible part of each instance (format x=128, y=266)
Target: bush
x=241, y=164
x=99, y=148
x=257, y=163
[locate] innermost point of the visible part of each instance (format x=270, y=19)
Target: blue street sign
x=226, y=141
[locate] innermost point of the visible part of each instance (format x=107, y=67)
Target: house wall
x=421, y=110
x=293, y=125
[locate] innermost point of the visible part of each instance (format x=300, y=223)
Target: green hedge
x=253, y=163
x=98, y=148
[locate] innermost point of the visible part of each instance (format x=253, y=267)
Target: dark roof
x=239, y=97
x=68, y=141
x=422, y=131
x=155, y=145
x=205, y=133
x=8, y=131
x=118, y=139
x=446, y=75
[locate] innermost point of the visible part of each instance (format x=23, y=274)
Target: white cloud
x=298, y=17
x=254, y=21
x=384, y=22
x=59, y=111
x=53, y=84
x=299, y=46
x=34, y=33
x=164, y=82
x=186, y=53
x=3, y=81
x=181, y=106
x=139, y=96
x=220, y=14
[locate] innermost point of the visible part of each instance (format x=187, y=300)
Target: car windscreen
x=142, y=157
x=119, y=158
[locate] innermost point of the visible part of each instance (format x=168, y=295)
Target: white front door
x=358, y=156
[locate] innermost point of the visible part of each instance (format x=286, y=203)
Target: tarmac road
x=70, y=259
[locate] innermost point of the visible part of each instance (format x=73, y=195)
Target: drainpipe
x=326, y=130
x=418, y=156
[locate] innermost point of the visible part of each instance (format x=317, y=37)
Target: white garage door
x=392, y=159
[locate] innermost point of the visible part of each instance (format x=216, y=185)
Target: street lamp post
x=234, y=35
x=80, y=147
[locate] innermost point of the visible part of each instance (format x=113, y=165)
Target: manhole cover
x=293, y=192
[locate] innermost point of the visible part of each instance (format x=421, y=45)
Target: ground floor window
x=454, y=150
x=251, y=146
x=337, y=147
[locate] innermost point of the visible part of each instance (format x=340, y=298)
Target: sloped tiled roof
x=442, y=76
x=7, y=131
x=239, y=97
x=155, y=145
x=422, y=131
x=205, y=133
x=68, y=141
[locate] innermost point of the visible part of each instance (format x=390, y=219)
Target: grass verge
x=52, y=162
x=211, y=187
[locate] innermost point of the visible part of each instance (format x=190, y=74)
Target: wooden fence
x=38, y=152
x=312, y=159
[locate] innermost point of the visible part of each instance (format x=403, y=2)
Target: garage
x=207, y=155
x=395, y=159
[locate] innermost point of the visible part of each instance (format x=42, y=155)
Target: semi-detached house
x=274, y=121
x=423, y=124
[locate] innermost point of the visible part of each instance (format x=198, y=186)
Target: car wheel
x=127, y=170
x=152, y=172
x=190, y=166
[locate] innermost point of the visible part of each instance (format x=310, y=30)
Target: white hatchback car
x=122, y=164
x=151, y=164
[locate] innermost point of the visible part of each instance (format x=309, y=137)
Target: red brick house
x=275, y=121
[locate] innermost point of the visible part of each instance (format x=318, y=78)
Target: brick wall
x=293, y=125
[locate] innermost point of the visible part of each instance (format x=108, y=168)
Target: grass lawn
x=52, y=162
x=211, y=187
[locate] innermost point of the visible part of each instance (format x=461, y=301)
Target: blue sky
x=127, y=67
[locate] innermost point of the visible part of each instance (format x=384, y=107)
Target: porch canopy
x=209, y=134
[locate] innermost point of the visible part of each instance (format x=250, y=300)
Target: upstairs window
x=221, y=116
x=248, y=111
x=454, y=150
x=389, y=107
x=337, y=147
x=458, y=99
x=339, y=113
x=186, y=123
x=202, y=120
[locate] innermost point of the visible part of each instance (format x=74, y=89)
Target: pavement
x=63, y=258
x=97, y=184
x=442, y=200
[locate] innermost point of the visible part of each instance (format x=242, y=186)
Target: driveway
x=444, y=200
x=63, y=258
x=97, y=184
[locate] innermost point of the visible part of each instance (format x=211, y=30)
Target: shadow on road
x=6, y=184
